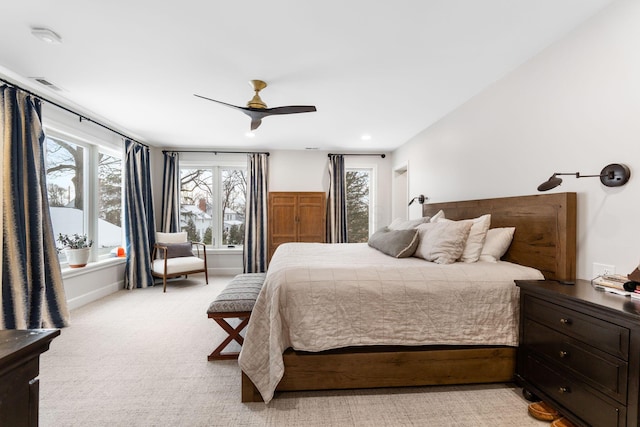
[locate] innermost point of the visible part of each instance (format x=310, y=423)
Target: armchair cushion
x=178, y=265
x=177, y=250
x=179, y=237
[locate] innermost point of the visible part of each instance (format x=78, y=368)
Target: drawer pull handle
x=565, y=321
x=564, y=390
x=563, y=354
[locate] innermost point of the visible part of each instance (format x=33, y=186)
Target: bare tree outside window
x=109, y=202
x=196, y=204
x=357, y=188
x=200, y=201
x=234, y=192
x=65, y=174
x=67, y=165
x=65, y=187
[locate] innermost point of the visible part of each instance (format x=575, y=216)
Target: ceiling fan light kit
x=256, y=109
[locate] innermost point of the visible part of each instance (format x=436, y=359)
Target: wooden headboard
x=545, y=236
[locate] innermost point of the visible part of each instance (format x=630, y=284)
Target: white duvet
x=320, y=296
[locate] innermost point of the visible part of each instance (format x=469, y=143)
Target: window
x=84, y=187
x=212, y=204
x=109, y=202
x=359, y=191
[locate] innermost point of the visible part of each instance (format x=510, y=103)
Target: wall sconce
x=421, y=199
x=613, y=175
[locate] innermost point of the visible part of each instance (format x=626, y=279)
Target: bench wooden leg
x=234, y=334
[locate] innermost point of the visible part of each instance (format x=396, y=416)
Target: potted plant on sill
x=77, y=248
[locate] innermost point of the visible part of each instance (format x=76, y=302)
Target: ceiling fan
x=257, y=109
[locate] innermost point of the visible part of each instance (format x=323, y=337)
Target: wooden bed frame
x=545, y=239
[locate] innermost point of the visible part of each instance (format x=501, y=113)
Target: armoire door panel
x=295, y=217
x=311, y=224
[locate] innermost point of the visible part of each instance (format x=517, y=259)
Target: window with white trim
x=84, y=189
x=212, y=204
x=359, y=189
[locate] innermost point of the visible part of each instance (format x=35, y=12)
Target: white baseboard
x=224, y=271
x=115, y=287
x=95, y=295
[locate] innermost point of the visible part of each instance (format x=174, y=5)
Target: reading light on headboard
x=421, y=199
x=613, y=175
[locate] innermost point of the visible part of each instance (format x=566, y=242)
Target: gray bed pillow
x=176, y=250
x=395, y=243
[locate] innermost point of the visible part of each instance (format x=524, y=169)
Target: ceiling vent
x=46, y=83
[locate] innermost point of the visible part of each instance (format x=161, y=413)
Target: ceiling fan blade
x=219, y=102
x=255, y=122
x=257, y=114
x=291, y=109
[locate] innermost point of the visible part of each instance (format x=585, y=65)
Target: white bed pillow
x=475, y=241
x=496, y=244
x=437, y=216
x=442, y=242
x=407, y=224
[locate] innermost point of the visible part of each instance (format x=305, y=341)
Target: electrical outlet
x=602, y=269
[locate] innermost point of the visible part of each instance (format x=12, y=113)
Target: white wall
x=84, y=285
x=301, y=170
x=575, y=107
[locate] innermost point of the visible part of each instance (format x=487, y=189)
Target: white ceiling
x=386, y=68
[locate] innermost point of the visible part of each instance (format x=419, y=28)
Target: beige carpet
x=139, y=358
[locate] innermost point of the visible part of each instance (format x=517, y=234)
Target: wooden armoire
x=296, y=217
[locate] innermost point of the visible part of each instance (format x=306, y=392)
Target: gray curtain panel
x=337, y=201
x=170, y=193
x=139, y=216
x=255, y=229
x=32, y=287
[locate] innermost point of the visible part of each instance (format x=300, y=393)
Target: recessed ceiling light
x=249, y=134
x=46, y=35
x=365, y=137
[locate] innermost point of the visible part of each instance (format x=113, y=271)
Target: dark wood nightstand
x=19, y=368
x=580, y=351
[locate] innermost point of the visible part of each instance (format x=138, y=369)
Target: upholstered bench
x=235, y=302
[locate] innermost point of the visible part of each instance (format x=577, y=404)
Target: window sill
x=91, y=267
x=236, y=250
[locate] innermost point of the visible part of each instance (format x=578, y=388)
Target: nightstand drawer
x=600, y=370
x=574, y=395
x=602, y=335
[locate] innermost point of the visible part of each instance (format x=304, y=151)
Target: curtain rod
x=70, y=111
x=216, y=152
x=357, y=154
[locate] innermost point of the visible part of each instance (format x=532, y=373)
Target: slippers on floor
x=562, y=422
x=542, y=411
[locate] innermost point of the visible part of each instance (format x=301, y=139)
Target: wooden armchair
x=173, y=257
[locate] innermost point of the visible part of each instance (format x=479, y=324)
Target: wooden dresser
x=296, y=217
x=19, y=369
x=580, y=351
